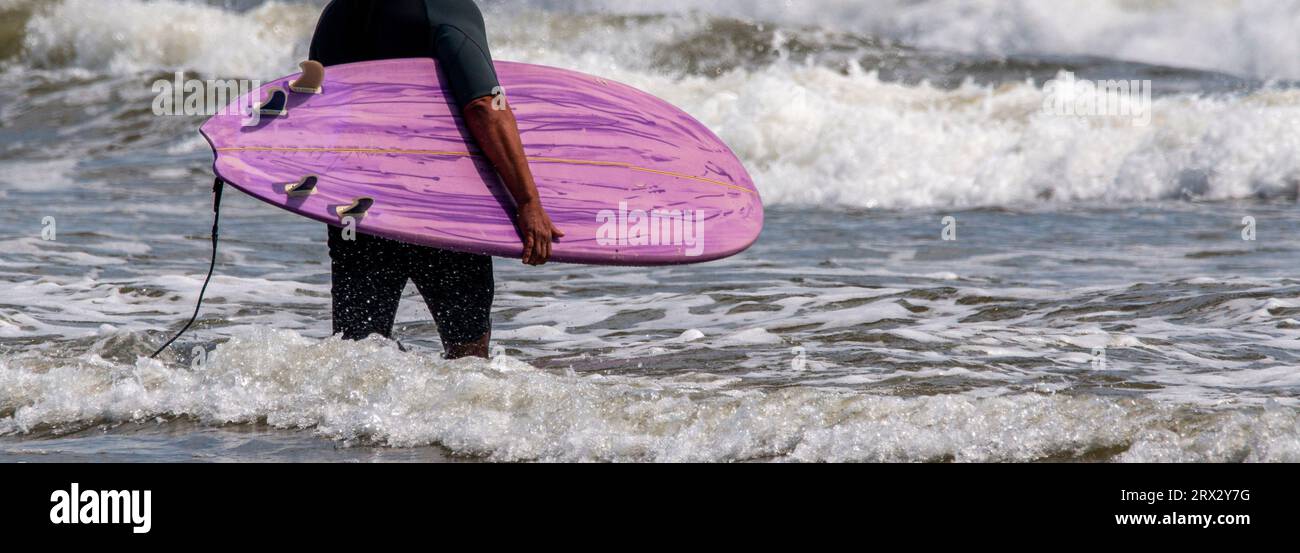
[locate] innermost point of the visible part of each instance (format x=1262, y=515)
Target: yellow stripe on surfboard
x=468, y=154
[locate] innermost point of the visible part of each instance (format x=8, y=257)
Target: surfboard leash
x=217, y=187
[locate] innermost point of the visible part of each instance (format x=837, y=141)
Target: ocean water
x=1099, y=302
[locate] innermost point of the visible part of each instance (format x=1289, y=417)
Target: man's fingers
x=536, y=249
x=555, y=234
x=540, y=249
x=528, y=249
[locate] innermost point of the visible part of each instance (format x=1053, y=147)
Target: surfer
x=369, y=273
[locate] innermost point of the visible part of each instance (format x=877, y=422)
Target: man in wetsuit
x=371, y=272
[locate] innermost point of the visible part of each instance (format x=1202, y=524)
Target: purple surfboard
x=629, y=178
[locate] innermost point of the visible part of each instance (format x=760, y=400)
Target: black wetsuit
x=371, y=272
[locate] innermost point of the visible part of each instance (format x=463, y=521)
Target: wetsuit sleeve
x=466, y=64
x=460, y=44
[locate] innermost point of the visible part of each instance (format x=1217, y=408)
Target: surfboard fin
x=311, y=80
x=357, y=210
x=302, y=188
x=275, y=105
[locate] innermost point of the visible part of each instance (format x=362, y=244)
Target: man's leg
x=459, y=289
x=367, y=285
x=477, y=348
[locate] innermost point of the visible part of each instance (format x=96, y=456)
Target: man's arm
x=461, y=47
x=497, y=133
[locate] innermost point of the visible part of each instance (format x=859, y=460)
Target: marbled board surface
x=387, y=130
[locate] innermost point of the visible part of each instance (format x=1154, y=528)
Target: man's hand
x=537, y=231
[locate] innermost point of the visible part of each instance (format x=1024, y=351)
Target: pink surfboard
x=630, y=179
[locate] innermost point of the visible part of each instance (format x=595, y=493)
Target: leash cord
x=217, y=187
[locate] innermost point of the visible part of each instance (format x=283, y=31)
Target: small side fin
x=302, y=188
x=357, y=210
x=275, y=105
